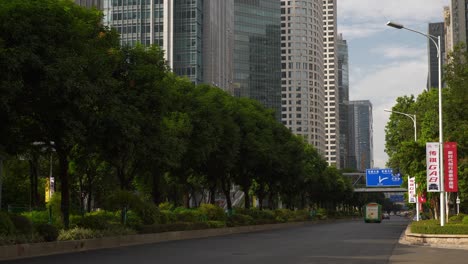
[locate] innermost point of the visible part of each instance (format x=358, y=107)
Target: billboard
x=412, y=190
x=450, y=167
x=432, y=163
x=382, y=178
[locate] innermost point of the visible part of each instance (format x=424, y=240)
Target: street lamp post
x=441, y=138
x=413, y=118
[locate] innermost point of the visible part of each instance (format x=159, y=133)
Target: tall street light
x=441, y=138
x=413, y=118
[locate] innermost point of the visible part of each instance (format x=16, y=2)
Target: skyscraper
x=257, y=58
x=360, y=115
x=435, y=29
x=302, y=75
x=196, y=35
x=343, y=96
x=332, y=124
x=90, y=3
x=458, y=23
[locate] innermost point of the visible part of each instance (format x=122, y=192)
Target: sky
x=386, y=63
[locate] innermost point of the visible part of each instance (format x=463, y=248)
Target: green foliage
x=212, y=212
x=166, y=206
x=239, y=220
x=187, y=215
x=148, y=212
x=167, y=217
x=433, y=227
x=47, y=232
x=465, y=220
x=6, y=225
x=283, y=215
x=22, y=224
x=457, y=218
x=216, y=224
x=94, y=222
x=78, y=233
x=322, y=214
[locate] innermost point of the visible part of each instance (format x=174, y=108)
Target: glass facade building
x=435, y=29
x=343, y=95
x=188, y=22
x=257, y=61
x=360, y=115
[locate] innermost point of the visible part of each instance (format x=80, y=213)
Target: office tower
x=142, y=21
x=435, y=29
x=196, y=36
x=218, y=43
x=90, y=3
x=303, y=95
x=257, y=58
x=343, y=96
x=458, y=23
x=331, y=88
x=188, y=28
x=360, y=115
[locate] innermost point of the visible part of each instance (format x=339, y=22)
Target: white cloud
x=382, y=85
x=399, y=52
x=363, y=18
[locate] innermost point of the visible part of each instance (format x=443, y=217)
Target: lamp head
x=394, y=25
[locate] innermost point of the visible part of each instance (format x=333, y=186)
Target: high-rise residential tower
x=343, y=96
x=360, y=116
x=302, y=75
x=332, y=124
x=257, y=52
x=435, y=29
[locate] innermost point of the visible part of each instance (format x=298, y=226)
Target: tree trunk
x=65, y=203
x=227, y=193
x=246, y=188
x=212, y=194
x=155, y=189
x=33, y=178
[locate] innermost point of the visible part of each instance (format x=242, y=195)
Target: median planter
x=434, y=240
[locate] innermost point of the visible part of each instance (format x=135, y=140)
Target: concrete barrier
x=432, y=240
x=59, y=247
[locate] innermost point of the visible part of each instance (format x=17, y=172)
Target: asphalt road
x=339, y=242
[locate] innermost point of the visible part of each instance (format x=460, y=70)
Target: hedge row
x=433, y=227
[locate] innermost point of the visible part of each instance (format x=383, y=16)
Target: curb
x=433, y=240
x=19, y=251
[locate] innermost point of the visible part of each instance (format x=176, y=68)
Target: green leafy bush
x=22, y=224
x=457, y=218
x=301, y=215
x=212, y=212
x=433, y=227
x=47, y=231
x=321, y=214
x=465, y=220
x=283, y=215
x=133, y=220
x=37, y=216
x=95, y=222
x=78, y=233
x=166, y=217
x=166, y=206
x=239, y=220
x=216, y=224
x=6, y=225
x=187, y=215
x=148, y=212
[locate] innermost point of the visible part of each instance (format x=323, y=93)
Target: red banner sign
x=450, y=167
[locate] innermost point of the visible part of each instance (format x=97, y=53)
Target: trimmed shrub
x=301, y=215
x=78, y=233
x=187, y=215
x=465, y=220
x=133, y=220
x=457, y=218
x=212, y=212
x=433, y=227
x=6, y=225
x=22, y=224
x=148, y=213
x=37, y=217
x=216, y=224
x=321, y=214
x=166, y=206
x=48, y=232
x=283, y=215
x=167, y=217
x=239, y=220
x=95, y=222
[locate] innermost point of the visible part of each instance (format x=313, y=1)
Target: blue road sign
x=397, y=198
x=382, y=177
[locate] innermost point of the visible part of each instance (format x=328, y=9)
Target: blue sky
x=386, y=63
